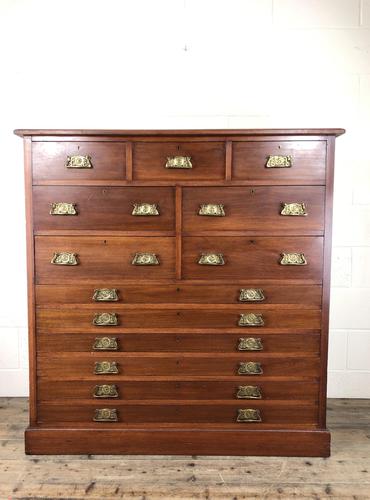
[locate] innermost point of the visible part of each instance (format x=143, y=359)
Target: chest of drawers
x=178, y=286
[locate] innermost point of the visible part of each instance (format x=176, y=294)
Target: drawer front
x=70, y=320
x=258, y=258
x=258, y=209
x=207, y=160
x=288, y=295
x=104, y=209
x=101, y=258
x=307, y=161
x=181, y=390
x=179, y=342
x=106, y=160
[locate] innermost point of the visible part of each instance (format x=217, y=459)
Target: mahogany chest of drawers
x=178, y=286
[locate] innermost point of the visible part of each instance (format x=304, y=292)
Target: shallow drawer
x=258, y=258
x=108, y=208
x=201, y=390
x=108, y=258
x=207, y=160
x=70, y=320
x=106, y=160
x=250, y=160
x=201, y=412
x=66, y=366
x=258, y=209
x=288, y=295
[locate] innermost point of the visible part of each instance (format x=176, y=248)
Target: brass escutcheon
x=79, y=161
x=105, y=319
x=64, y=259
x=105, y=367
x=105, y=344
x=251, y=319
x=179, y=162
x=212, y=210
x=296, y=209
x=105, y=295
x=249, y=368
x=105, y=415
x=250, y=344
x=63, y=208
x=145, y=209
x=105, y=391
x=211, y=259
x=249, y=392
x=279, y=161
x=145, y=259
x=248, y=415
x=293, y=259
x=251, y=295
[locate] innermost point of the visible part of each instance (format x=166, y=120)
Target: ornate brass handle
x=211, y=259
x=279, y=161
x=249, y=392
x=105, y=391
x=293, y=259
x=179, y=162
x=105, y=319
x=250, y=344
x=212, y=210
x=105, y=295
x=63, y=208
x=249, y=368
x=297, y=209
x=79, y=161
x=248, y=415
x=145, y=209
x=251, y=295
x=64, y=259
x=105, y=415
x=105, y=344
x=251, y=319
x=105, y=368
x=145, y=259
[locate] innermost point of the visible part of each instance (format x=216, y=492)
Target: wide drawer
x=78, y=160
x=258, y=258
x=181, y=293
x=178, y=342
x=67, y=366
x=103, y=208
x=258, y=209
x=176, y=389
x=307, y=159
x=207, y=160
x=72, y=320
x=109, y=258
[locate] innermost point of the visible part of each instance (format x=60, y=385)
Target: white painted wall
x=193, y=64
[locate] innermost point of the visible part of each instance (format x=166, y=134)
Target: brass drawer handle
x=248, y=415
x=105, y=391
x=211, y=259
x=211, y=210
x=79, y=161
x=251, y=295
x=63, y=208
x=279, y=161
x=145, y=209
x=105, y=415
x=296, y=209
x=105, y=295
x=250, y=368
x=105, y=319
x=183, y=162
x=251, y=319
x=64, y=259
x=293, y=259
x=250, y=344
x=105, y=368
x=249, y=392
x=145, y=259
x=105, y=344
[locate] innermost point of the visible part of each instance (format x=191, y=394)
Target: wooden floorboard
x=345, y=475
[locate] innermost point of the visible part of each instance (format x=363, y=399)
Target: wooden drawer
x=256, y=209
x=308, y=161
x=72, y=320
x=101, y=258
x=181, y=342
x=150, y=158
x=257, y=258
x=104, y=208
x=197, y=412
x=176, y=389
x=108, y=160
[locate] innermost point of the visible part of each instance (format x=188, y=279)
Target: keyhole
x=177, y=289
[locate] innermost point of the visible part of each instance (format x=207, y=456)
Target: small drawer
x=103, y=208
x=167, y=161
x=288, y=162
x=78, y=160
